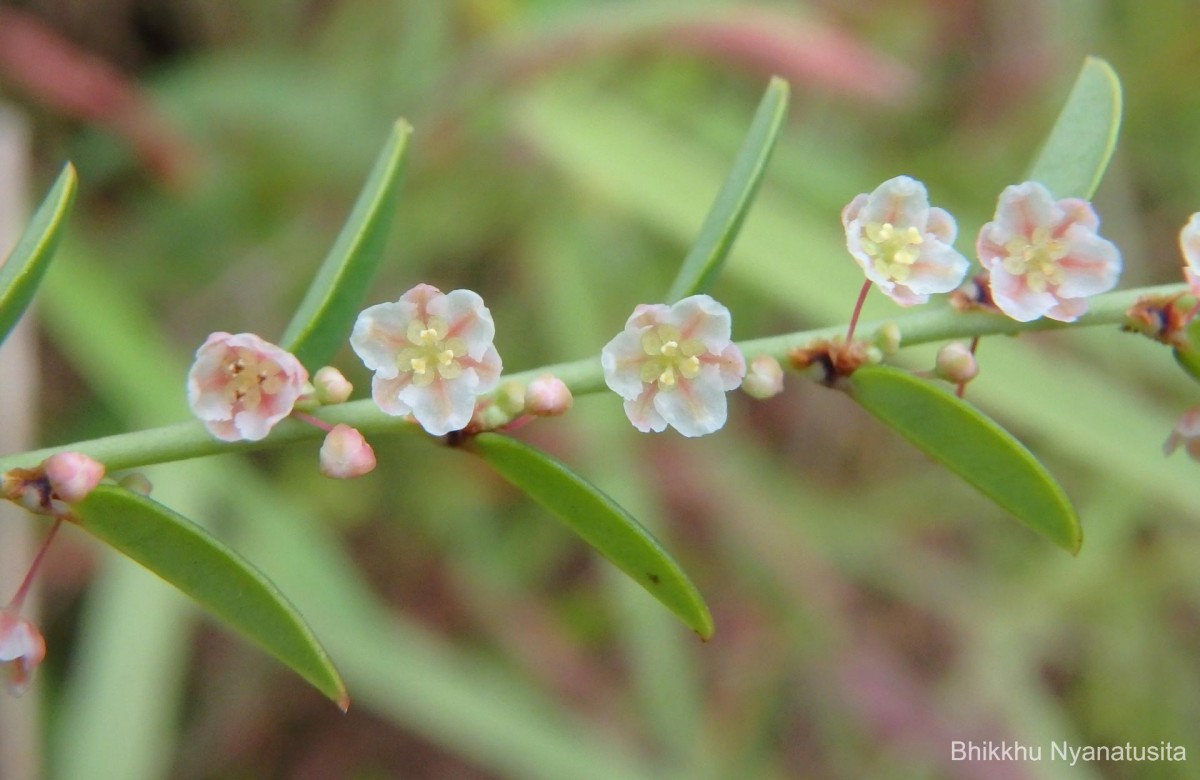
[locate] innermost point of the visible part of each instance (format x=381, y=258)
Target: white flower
x=1043, y=256
x=240, y=385
x=1189, y=244
x=432, y=355
x=902, y=244
x=674, y=364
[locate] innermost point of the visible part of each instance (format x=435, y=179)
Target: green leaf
x=335, y=296
x=599, y=521
x=1081, y=143
x=224, y=583
x=24, y=268
x=972, y=445
x=724, y=220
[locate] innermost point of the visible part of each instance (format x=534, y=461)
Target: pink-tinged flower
x=1189, y=244
x=1044, y=256
x=240, y=385
x=674, y=364
x=21, y=649
x=1186, y=434
x=72, y=475
x=904, y=245
x=345, y=454
x=432, y=355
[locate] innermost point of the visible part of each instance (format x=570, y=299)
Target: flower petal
x=696, y=407
x=643, y=413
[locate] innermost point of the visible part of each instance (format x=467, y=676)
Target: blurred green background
x=870, y=609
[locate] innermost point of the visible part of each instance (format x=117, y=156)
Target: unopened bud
x=22, y=648
x=888, y=338
x=72, y=475
x=548, y=396
x=956, y=363
x=330, y=386
x=764, y=378
x=510, y=398
x=345, y=454
x=137, y=482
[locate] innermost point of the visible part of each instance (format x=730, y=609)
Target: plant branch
x=186, y=440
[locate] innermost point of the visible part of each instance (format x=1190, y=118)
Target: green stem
x=191, y=439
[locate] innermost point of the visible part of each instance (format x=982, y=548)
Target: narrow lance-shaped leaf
x=224, y=583
x=24, y=268
x=1081, y=143
x=724, y=220
x=599, y=521
x=971, y=445
x=336, y=294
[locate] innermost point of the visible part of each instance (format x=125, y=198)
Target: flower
x=764, y=379
x=1185, y=434
x=22, y=646
x=1189, y=244
x=902, y=243
x=674, y=364
x=1044, y=256
x=432, y=355
x=240, y=385
x=345, y=454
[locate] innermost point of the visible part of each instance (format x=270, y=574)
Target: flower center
x=431, y=354
x=892, y=250
x=1036, y=259
x=250, y=377
x=669, y=357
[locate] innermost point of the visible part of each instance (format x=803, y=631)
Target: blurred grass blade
x=24, y=268
x=600, y=522
x=724, y=220
x=971, y=445
x=186, y=556
x=335, y=296
x=1081, y=143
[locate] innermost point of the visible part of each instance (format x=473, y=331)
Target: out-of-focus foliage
x=868, y=607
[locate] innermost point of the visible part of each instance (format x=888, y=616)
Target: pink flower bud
x=346, y=454
x=72, y=475
x=548, y=396
x=956, y=363
x=764, y=378
x=331, y=386
x=21, y=649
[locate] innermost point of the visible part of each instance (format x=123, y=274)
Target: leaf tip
x=343, y=699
